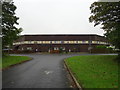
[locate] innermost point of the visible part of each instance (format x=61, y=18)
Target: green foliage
x=101, y=46
x=61, y=50
x=110, y=47
x=9, y=20
x=108, y=15
x=98, y=71
x=11, y=60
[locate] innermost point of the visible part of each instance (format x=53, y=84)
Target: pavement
x=44, y=71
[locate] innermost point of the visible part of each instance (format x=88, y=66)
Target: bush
x=101, y=46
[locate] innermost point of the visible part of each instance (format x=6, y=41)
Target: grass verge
x=12, y=60
x=98, y=71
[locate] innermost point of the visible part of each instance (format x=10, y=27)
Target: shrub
x=101, y=46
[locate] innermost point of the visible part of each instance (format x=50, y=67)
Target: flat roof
x=61, y=35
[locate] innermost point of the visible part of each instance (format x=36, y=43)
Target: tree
x=108, y=15
x=9, y=20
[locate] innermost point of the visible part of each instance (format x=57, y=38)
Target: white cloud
x=55, y=16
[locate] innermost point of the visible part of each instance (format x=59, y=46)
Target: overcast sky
x=55, y=17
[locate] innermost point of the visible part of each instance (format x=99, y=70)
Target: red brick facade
x=66, y=43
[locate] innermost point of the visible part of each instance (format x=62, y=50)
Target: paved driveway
x=44, y=71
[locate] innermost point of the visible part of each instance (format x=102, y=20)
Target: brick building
x=57, y=42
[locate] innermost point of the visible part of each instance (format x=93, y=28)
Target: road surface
x=44, y=71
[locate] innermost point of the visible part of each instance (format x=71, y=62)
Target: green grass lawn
x=11, y=60
x=94, y=71
x=0, y=62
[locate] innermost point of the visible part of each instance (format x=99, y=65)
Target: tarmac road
x=44, y=71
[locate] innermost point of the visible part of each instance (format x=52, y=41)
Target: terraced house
x=57, y=42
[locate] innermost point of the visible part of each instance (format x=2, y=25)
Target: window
x=60, y=41
x=98, y=42
x=75, y=42
x=86, y=41
x=66, y=41
x=79, y=41
x=14, y=43
x=29, y=48
x=43, y=42
x=20, y=42
x=22, y=49
x=47, y=41
x=83, y=41
x=101, y=42
x=93, y=42
x=53, y=41
x=57, y=41
x=71, y=42
x=32, y=42
x=106, y=43
x=55, y=48
x=17, y=43
x=25, y=42
x=63, y=48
